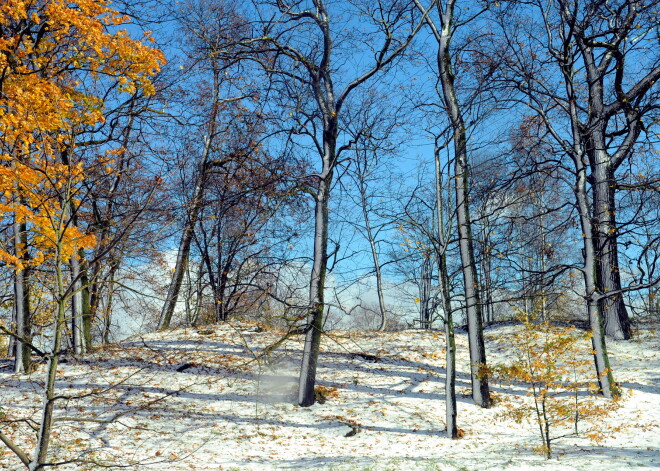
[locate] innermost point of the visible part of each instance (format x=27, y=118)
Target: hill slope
x=187, y=399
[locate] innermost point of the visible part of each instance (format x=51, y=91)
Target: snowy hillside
x=196, y=400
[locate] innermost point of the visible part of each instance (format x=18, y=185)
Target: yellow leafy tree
x=54, y=54
x=553, y=362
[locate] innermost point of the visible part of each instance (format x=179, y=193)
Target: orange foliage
x=52, y=55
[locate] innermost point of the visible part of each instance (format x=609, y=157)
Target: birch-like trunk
x=77, y=322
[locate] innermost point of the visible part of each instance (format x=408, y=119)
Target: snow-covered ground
x=197, y=400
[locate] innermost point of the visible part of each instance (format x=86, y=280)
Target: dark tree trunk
x=608, y=279
x=87, y=317
x=316, y=298
x=601, y=359
x=22, y=351
x=480, y=389
x=450, y=357
x=183, y=253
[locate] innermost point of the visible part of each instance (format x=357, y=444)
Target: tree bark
x=604, y=65
x=603, y=371
x=22, y=351
x=314, y=327
x=608, y=279
x=480, y=388
x=77, y=327
x=445, y=290
x=443, y=34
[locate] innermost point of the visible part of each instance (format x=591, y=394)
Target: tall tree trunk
x=443, y=36
x=183, y=253
x=608, y=279
x=592, y=295
x=22, y=351
x=87, y=316
x=44, y=434
x=450, y=356
x=480, y=389
x=77, y=328
x=603, y=165
x=316, y=292
x=445, y=290
x=603, y=371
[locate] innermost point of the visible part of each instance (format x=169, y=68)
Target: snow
x=196, y=400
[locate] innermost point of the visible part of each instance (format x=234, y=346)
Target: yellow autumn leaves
x=57, y=60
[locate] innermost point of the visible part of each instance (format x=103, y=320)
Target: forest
x=329, y=234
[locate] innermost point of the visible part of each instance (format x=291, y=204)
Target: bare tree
x=209, y=29
x=599, y=49
x=302, y=54
x=593, y=106
x=443, y=26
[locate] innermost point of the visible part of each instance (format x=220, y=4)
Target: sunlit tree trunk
x=603, y=371
x=445, y=291
x=314, y=327
x=480, y=389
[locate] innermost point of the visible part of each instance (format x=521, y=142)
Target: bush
x=553, y=362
